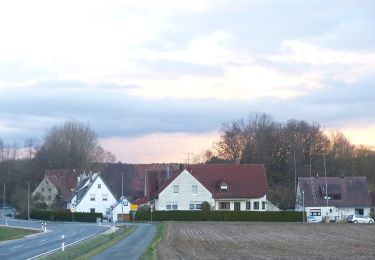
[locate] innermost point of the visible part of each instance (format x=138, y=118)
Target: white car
x=360, y=219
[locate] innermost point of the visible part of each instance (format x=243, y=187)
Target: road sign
x=134, y=207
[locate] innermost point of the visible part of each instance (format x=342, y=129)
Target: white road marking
x=43, y=240
x=15, y=247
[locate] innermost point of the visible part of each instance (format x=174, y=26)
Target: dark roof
x=244, y=180
x=63, y=180
x=352, y=191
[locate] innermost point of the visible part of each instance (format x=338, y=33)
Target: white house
x=120, y=210
x=92, y=195
x=238, y=187
x=332, y=198
x=185, y=192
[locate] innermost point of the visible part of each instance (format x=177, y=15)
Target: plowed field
x=218, y=240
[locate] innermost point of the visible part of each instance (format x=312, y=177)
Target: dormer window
x=223, y=186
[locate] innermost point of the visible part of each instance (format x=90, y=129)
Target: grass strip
x=150, y=252
x=93, y=246
x=9, y=233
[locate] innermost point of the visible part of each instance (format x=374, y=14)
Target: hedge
x=182, y=215
x=64, y=215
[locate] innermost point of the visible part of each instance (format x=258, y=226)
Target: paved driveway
x=132, y=246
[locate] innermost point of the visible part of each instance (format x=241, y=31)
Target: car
x=360, y=219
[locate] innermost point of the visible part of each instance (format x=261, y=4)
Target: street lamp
x=303, y=205
x=28, y=200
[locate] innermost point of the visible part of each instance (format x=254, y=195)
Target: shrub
x=64, y=215
x=182, y=215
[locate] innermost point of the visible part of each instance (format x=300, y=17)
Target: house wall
x=123, y=207
x=100, y=205
x=333, y=213
x=185, y=196
x=243, y=202
x=47, y=190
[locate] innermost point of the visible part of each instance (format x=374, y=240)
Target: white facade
x=183, y=193
x=122, y=207
x=97, y=198
x=242, y=204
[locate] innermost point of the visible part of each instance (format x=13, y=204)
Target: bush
x=186, y=215
x=64, y=215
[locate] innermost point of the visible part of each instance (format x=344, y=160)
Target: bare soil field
x=221, y=240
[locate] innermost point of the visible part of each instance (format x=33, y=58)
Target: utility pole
x=28, y=200
x=303, y=205
x=122, y=184
x=325, y=176
x=4, y=195
x=295, y=170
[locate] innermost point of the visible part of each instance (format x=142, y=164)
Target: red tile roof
x=63, y=180
x=244, y=180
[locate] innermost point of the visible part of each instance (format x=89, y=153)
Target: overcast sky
x=156, y=79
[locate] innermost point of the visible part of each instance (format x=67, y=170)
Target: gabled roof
x=244, y=180
x=351, y=190
x=63, y=180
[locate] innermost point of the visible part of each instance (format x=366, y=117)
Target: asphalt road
x=35, y=245
x=132, y=246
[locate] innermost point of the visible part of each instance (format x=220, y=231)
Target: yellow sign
x=134, y=207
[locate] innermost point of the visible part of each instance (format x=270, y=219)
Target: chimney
x=167, y=172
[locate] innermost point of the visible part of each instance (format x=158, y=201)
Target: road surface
x=132, y=246
x=35, y=245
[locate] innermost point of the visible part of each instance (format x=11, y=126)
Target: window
x=194, y=188
x=315, y=212
x=175, y=188
x=171, y=206
x=49, y=197
x=42, y=189
x=330, y=210
x=256, y=205
x=49, y=189
x=92, y=197
x=46, y=182
x=263, y=205
x=104, y=197
x=195, y=205
x=99, y=185
x=248, y=205
x=224, y=205
x=92, y=210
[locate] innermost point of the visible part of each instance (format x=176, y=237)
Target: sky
x=157, y=79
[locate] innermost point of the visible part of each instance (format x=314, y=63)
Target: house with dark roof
x=92, y=195
x=62, y=182
x=238, y=187
x=332, y=198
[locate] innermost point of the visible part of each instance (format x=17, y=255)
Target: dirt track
x=219, y=240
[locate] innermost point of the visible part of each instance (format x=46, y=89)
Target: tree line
x=290, y=149
x=71, y=145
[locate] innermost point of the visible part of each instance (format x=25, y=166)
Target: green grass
x=8, y=233
x=150, y=252
x=93, y=246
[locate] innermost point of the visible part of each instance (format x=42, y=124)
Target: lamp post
x=303, y=205
x=4, y=195
x=28, y=200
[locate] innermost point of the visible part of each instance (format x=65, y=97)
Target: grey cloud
x=112, y=113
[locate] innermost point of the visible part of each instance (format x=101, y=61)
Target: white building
x=238, y=187
x=119, y=210
x=184, y=193
x=332, y=198
x=92, y=195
